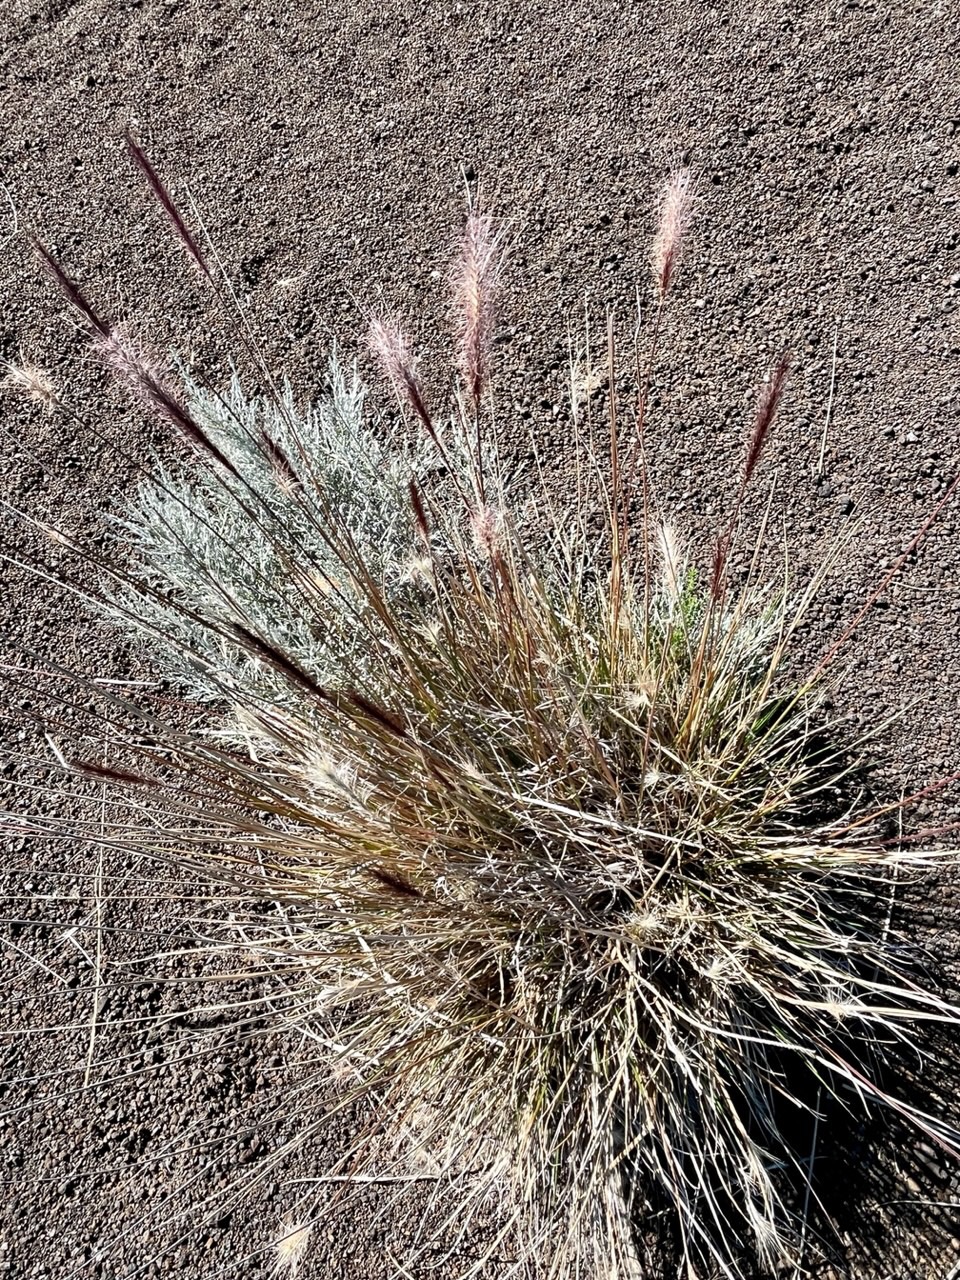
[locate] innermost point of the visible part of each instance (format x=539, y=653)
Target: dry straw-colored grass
x=560, y=864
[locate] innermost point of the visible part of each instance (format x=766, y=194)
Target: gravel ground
x=326, y=147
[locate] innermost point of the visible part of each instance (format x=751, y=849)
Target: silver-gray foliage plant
x=203, y=541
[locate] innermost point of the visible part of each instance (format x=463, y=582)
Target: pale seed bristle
x=290, y=1246
x=33, y=382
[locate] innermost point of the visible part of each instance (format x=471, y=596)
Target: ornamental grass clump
x=564, y=861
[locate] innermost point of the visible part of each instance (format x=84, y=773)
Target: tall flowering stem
x=675, y=212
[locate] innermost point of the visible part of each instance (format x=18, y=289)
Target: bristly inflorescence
x=554, y=843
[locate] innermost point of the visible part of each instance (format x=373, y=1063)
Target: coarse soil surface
x=326, y=147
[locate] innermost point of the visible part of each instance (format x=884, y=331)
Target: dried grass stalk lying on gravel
x=563, y=866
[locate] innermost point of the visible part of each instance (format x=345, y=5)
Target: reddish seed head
x=283, y=468
x=379, y=715
x=676, y=210
x=395, y=881
x=109, y=773
x=129, y=367
x=771, y=393
x=420, y=514
x=71, y=290
x=164, y=198
x=391, y=348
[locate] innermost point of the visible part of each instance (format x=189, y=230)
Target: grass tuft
x=564, y=862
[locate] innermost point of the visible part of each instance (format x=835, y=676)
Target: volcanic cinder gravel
x=327, y=147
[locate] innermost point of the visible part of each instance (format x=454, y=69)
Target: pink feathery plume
x=164, y=198
x=486, y=525
x=129, y=367
x=676, y=211
x=474, y=280
x=390, y=347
